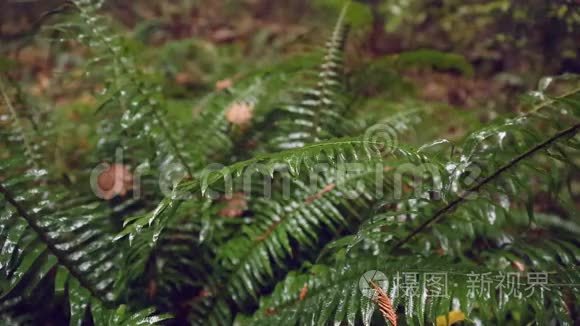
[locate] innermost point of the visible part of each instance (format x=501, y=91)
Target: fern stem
x=552, y=101
x=462, y=197
x=172, y=143
x=32, y=222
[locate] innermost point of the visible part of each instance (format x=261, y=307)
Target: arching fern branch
x=19, y=128
x=337, y=294
x=569, y=132
x=144, y=231
x=69, y=239
x=287, y=224
x=507, y=166
x=391, y=228
x=316, y=114
x=297, y=160
x=141, y=101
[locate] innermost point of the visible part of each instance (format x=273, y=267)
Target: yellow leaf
x=451, y=318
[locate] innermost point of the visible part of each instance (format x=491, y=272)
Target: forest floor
x=246, y=34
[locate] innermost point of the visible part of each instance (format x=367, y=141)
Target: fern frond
x=140, y=100
x=165, y=277
x=214, y=134
x=296, y=160
x=72, y=238
x=121, y=316
x=315, y=115
x=571, y=131
x=285, y=307
x=473, y=218
x=285, y=227
x=29, y=138
x=337, y=294
x=47, y=241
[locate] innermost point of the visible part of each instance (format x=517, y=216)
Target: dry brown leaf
x=519, y=266
x=303, y=292
x=385, y=304
x=223, y=84
x=270, y=311
x=183, y=78
x=224, y=35
x=239, y=113
x=235, y=206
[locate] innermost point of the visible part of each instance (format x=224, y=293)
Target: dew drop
x=544, y=83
